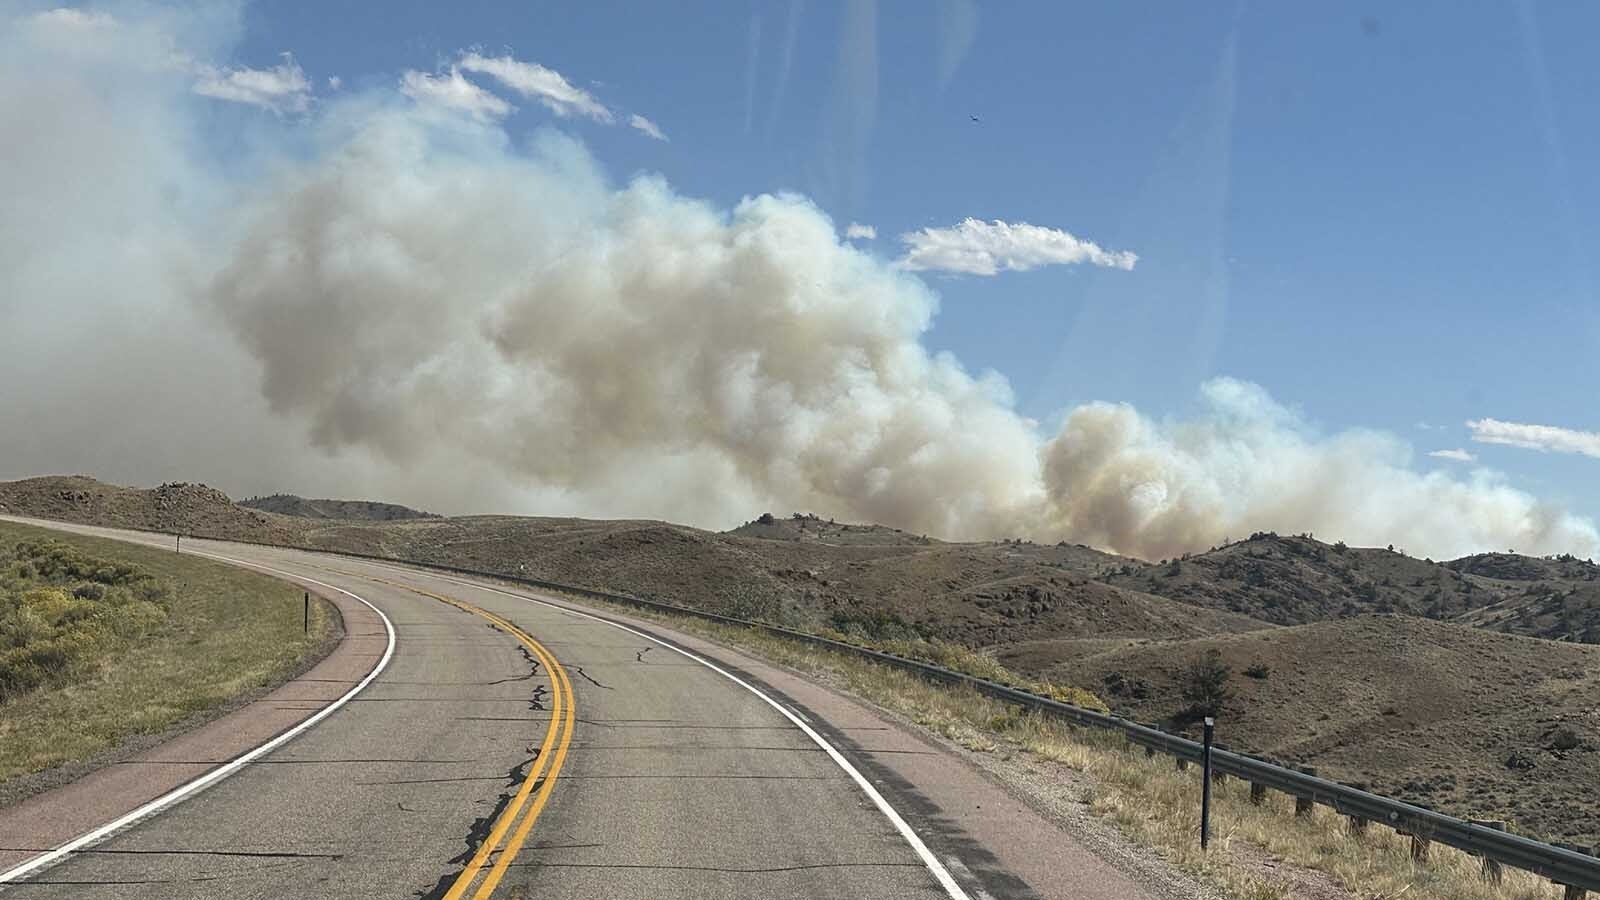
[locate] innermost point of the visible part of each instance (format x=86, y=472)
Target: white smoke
x=456, y=320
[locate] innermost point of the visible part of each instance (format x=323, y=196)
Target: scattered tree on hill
x=1205, y=685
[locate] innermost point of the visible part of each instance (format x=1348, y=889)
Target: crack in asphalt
x=478, y=831
x=640, y=654
x=588, y=678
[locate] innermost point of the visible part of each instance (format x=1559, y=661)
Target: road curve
x=520, y=746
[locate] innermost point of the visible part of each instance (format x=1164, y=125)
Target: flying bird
x=974, y=118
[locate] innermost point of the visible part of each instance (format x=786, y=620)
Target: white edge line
x=940, y=873
x=223, y=771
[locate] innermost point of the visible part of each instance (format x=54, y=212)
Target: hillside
x=177, y=507
x=975, y=594
x=352, y=510
x=799, y=569
x=1458, y=718
x=1295, y=580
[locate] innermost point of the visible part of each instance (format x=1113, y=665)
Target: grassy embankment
x=1147, y=799
x=103, y=641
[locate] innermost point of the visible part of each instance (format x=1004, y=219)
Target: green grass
x=103, y=641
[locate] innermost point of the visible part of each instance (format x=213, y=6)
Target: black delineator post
x=1205, y=783
x=308, y=613
x=177, y=545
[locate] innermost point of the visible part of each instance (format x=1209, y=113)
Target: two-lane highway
x=492, y=740
x=511, y=744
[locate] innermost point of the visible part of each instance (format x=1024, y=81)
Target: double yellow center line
x=511, y=828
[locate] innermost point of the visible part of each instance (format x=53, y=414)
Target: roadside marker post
x=1205, y=782
x=308, y=613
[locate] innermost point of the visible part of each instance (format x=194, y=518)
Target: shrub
x=1258, y=671
x=1205, y=685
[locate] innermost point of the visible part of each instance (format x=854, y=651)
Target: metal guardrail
x=1563, y=865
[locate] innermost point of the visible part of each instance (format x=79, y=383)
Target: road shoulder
x=84, y=796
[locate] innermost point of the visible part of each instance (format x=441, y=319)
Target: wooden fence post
x=1303, y=805
x=1492, y=872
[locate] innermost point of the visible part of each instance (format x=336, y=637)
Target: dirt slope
x=1294, y=580
x=1454, y=717
x=177, y=507
x=353, y=510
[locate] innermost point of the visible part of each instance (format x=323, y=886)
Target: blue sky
x=1380, y=214
x=1197, y=271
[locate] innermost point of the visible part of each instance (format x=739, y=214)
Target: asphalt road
x=515, y=747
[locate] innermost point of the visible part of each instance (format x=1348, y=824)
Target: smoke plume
x=390, y=297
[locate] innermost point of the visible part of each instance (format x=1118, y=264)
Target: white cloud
x=282, y=88
x=452, y=91
x=646, y=126
x=547, y=86
x=75, y=18
x=335, y=82
x=1544, y=438
x=1457, y=454
x=985, y=248
x=856, y=230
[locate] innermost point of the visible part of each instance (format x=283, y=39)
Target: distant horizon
x=808, y=515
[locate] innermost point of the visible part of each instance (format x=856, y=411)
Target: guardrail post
x=1492, y=872
x=1303, y=805
x=1419, y=848
x=1358, y=825
x=1180, y=762
x=1572, y=891
x=1205, y=782
x=1258, y=794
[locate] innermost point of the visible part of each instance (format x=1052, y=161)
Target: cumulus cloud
x=975, y=247
x=1458, y=455
x=1544, y=438
x=857, y=231
x=547, y=86
x=650, y=128
x=335, y=82
x=282, y=88
x=453, y=91
x=391, y=305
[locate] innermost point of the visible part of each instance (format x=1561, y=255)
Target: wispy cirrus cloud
x=641, y=124
x=1544, y=438
x=452, y=91
x=282, y=88
x=1457, y=455
x=547, y=86
x=975, y=247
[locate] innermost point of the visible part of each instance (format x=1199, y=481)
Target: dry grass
x=225, y=632
x=1148, y=798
